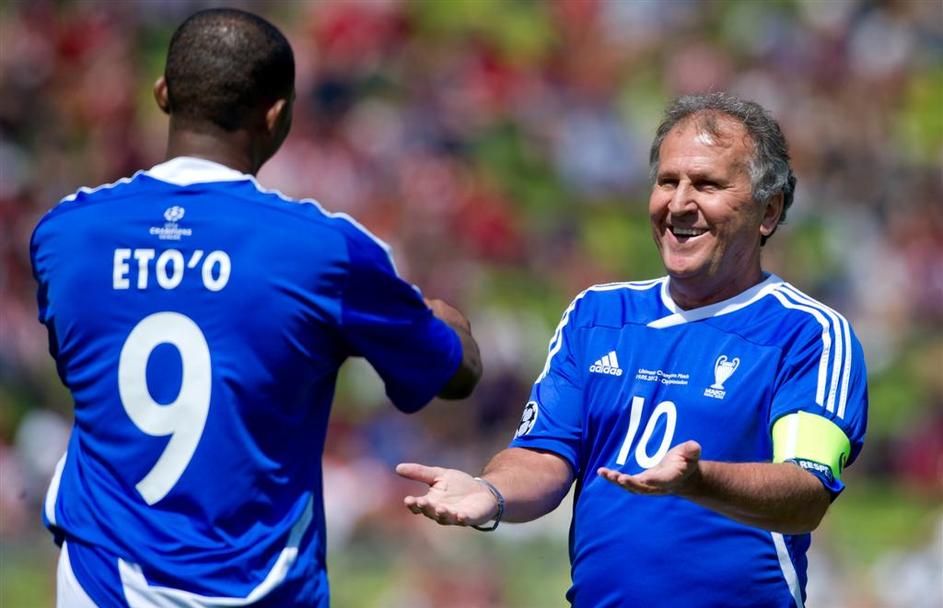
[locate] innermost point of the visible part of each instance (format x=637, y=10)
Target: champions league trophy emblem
x=723, y=369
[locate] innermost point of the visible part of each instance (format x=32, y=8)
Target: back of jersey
x=199, y=322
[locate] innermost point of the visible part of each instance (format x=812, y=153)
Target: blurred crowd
x=501, y=148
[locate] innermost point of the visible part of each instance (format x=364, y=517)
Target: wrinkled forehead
x=712, y=128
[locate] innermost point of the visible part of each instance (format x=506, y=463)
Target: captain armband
x=814, y=443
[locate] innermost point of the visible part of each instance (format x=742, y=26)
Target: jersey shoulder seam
x=623, y=287
x=72, y=201
x=814, y=314
x=742, y=336
x=343, y=221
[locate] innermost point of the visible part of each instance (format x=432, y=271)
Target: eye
x=706, y=185
x=668, y=181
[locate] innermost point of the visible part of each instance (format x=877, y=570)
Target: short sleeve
x=385, y=320
x=42, y=293
x=40, y=258
x=553, y=417
x=822, y=374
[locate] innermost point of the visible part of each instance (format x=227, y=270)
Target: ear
x=273, y=116
x=771, y=215
x=161, y=96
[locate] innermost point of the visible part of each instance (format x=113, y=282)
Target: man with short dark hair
x=722, y=389
x=199, y=321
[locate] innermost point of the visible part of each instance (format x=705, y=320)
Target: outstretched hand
x=454, y=498
x=676, y=473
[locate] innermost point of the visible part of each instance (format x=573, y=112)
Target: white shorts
x=69, y=593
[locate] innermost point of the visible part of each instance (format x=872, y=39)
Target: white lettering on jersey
x=657, y=375
x=165, y=280
x=169, y=268
x=119, y=276
x=143, y=256
x=216, y=258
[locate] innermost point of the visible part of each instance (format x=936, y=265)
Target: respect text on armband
x=168, y=268
x=816, y=467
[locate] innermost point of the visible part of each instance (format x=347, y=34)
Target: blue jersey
x=199, y=322
x=630, y=375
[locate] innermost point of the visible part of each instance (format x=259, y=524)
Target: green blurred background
x=501, y=148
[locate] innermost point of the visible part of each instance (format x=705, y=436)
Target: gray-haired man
x=720, y=388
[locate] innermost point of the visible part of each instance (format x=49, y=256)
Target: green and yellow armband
x=813, y=442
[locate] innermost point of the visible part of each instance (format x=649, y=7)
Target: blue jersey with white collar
x=629, y=375
x=199, y=322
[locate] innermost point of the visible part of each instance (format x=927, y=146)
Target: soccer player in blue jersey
x=706, y=417
x=199, y=321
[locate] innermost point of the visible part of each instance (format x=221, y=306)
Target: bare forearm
x=778, y=497
x=533, y=483
x=469, y=369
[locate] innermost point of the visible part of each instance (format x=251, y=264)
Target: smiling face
x=705, y=222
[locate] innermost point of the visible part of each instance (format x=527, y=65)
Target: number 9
x=183, y=419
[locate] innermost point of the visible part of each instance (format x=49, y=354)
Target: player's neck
x=233, y=149
x=696, y=292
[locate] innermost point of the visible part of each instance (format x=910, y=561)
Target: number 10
x=665, y=408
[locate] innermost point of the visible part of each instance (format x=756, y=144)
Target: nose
x=682, y=200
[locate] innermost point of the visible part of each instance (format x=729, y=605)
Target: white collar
x=741, y=300
x=186, y=170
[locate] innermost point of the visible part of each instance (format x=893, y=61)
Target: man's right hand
x=454, y=498
x=452, y=316
x=468, y=373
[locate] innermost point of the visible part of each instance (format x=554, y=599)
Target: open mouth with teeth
x=684, y=233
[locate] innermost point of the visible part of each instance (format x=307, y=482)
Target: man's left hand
x=677, y=473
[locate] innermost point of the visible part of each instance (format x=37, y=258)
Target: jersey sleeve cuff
x=410, y=401
x=823, y=473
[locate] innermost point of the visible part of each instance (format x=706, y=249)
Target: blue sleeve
x=39, y=256
x=385, y=320
x=823, y=373
x=553, y=417
x=38, y=274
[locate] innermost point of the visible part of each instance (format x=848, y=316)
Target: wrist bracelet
x=497, y=496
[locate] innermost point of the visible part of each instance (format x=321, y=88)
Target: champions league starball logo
x=723, y=369
x=528, y=419
x=170, y=231
x=174, y=214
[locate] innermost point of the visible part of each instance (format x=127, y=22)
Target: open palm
x=676, y=471
x=454, y=498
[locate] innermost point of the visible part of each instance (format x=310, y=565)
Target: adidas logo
x=607, y=365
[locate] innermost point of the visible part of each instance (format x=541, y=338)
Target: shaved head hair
x=223, y=65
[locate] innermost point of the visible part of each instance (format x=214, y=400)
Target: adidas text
x=605, y=369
